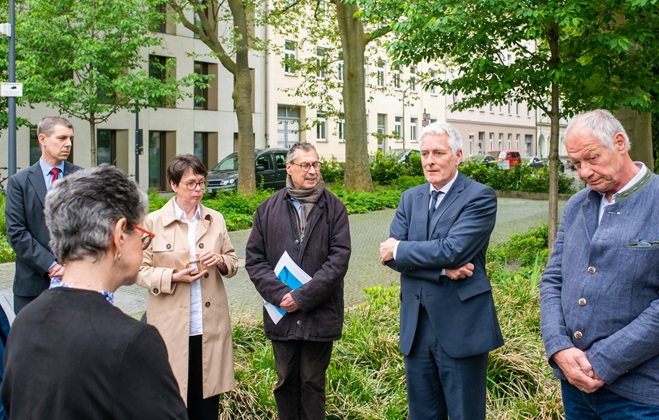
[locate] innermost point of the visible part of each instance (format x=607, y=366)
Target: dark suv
x=270, y=171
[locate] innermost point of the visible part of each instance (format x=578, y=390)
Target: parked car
x=506, y=158
x=534, y=162
x=486, y=159
x=270, y=167
x=403, y=155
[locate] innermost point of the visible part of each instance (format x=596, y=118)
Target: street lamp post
x=9, y=30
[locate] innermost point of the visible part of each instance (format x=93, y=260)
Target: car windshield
x=494, y=153
x=229, y=163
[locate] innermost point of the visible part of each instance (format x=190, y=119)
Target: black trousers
x=198, y=407
x=301, y=366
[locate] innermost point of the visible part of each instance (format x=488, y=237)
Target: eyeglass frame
x=316, y=165
x=146, y=240
x=195, y=184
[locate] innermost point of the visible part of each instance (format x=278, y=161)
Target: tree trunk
x=242, y=96
x=357, y=172
x=639, y=129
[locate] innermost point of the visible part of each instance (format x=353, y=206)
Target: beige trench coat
x=168, y=304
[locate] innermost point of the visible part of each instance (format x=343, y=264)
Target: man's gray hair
x=442, y=129
x=602, y=124
x=82, y=209
x=292, y=152
x=47, y=124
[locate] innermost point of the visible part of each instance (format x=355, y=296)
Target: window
x=398, y=127
x=288, y=125
x=510, y=106
x=380, y=73
x=159, y=68
x=106, y=147
x=414, y=127
x=528, y=139
x=201, y=147
x=517, y=108
x=396, y=79
x=492, y=108
x=517, y=142
x=290, y=57
x=491, y=141
x=200, y=94
x=321, y=62
x=481, y=142
x=433, y=77
x=342, y=128
x=382, y=132
x=510, y=141
x=412, y=79
x=157, y=164
x=500, y=141
x=471, y=144
x=321, y=127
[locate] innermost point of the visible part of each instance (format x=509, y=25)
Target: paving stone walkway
x=367, y=231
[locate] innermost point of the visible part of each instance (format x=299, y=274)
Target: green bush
x=519, y=178
x=332, y=171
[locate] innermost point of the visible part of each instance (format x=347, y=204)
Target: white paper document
x=293, y=276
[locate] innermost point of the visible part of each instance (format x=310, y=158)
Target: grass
x=366, y=377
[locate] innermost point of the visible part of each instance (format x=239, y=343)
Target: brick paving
x=367, y=231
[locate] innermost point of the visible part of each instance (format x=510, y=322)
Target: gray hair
x=443, y=129
x=82, y=209
x=47, y=124
x=292, y=152
x=602, y=124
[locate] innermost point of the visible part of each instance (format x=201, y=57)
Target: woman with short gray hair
x=70, y=353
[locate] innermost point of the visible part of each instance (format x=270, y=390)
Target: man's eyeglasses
x=305, y=166
x=191, y=185
x=146, y=239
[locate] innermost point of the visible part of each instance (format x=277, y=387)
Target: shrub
x=332, y=171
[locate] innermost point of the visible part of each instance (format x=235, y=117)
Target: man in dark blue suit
x=448, y=323
x=26, y=227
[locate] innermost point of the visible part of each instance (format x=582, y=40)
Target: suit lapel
x=36, y=179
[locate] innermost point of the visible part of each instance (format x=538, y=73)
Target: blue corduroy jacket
x=600, y=291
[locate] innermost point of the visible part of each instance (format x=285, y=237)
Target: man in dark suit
x=448, y=323
x=26, y=227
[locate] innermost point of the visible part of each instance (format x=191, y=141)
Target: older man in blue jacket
x=599, y=297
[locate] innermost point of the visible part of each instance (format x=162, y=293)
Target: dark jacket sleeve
x=145, y=385
x=21, y=239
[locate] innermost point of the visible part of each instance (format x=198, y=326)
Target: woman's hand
x=188, y=275
x=210, y=259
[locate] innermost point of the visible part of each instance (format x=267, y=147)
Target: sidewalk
x=367, y=231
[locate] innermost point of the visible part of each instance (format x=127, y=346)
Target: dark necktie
x=433, y=203
x=54, y=175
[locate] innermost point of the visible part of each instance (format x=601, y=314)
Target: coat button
x=582, y=302
x=206, y=275
x=207, y=304
x=578, y=335
x=169, y=246
x=416, y=296
x=155, y=290
x=592, y=270
x=299, y=322
x=296, y=242
x=201, y=246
